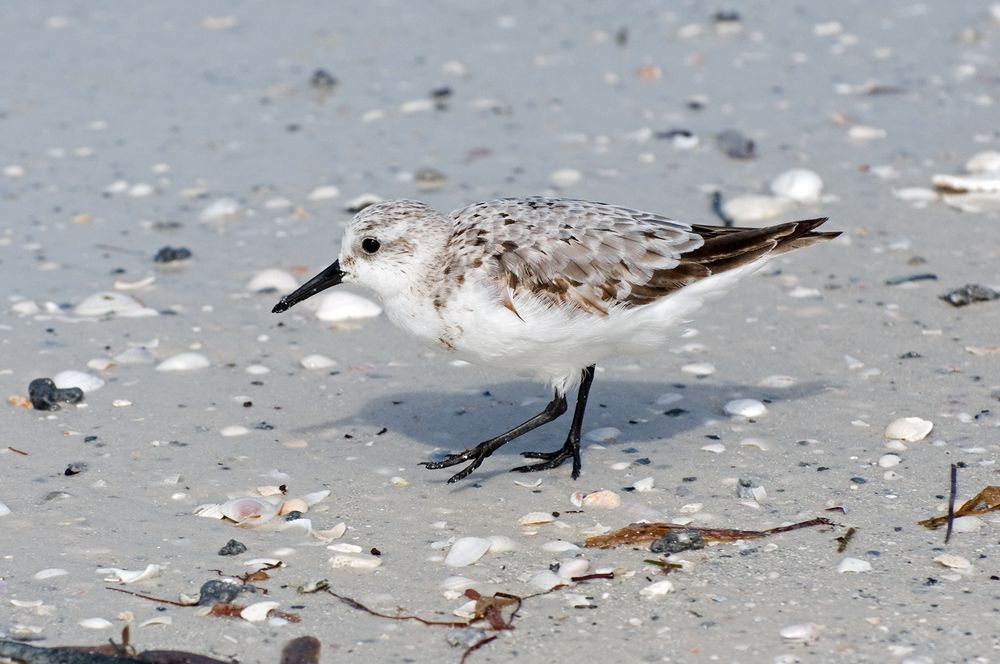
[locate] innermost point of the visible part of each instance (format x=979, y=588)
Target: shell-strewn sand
x=127, y=128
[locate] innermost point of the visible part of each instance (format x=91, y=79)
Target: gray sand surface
x=212, y=101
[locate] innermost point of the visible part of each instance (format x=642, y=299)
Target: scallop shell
x=293, y=505
x=532, y=518
x=317, y=362
x=95, y=623
x=332, y=533
x=107, y=303
x=257, y=612
x=748, y=408
x=559, y=546
x=184, y=362
x=466, y=551
x=754, y=208
x=135, y=355
x=547, y=580
x=501, y=543
x=603, y=499
x=272, y=279
x=341, y=306
x=248, y=512
x=85, y=381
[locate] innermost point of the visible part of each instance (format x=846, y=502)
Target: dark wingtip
x=280, y=307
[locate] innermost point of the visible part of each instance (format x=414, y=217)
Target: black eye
x=370, y=245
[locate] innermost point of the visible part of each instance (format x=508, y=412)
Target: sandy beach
x=169, y=171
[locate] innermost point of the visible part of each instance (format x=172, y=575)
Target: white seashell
x=865, y=133
x=755, y=442
x=621, y=465
x=345, y=547
x=135, y=355
x=323, y=193
x=341, y=305
x=467, y=611
x=559, y=546
x=359, y=203
x=362, y=563
x=27, y=604
x=458, y=584
x=272, y=279
x=714, y=448
x=973, y=203
x=49, y=573
x=915, y=194
x=501, y=544
x=853, y=565
x=755, y=208
x=952, y=561
x=277, y=203
x=269, y=490
x=134, y=285
x=100, y=364
x=547, y=580
x=257, y=612
x=967, y=524
x=317, y=362
x=799, y=184
x=332, y=533
x=748, y=408
x=95, y=623
x=234, y=430
x=316, y=497
x=158, y=620
x=466, y=551
x=576, y=498
x=130, y=576
x=888, y=460
x=530, y=485
x=699, y=369
x=249, y=511
x=416, y=106
x=4, y=510
x=85, y=381
x=257, y=370
x=565, y=177
x=604, y=499
x=293, y=505
x=110, y=303
x=657, y=589
x=184, y=362
x=25, y=308
x=805, y=632
x=909, y=429
x=896, y=445
x=984, y=162
x=568, y=569
x=668, y=398
x=221, y=209
x=603, y=434
x=644, y=485
x=977, y=183
x=532, y=518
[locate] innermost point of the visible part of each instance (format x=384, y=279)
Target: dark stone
x=170, y=254
x=678, y=540
x=44, y=394
x=233, y=548
x=734, y=144
x=221, y=592
x=969, y=293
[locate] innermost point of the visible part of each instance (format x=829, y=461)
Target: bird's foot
x=552, y=459
x=478, y=454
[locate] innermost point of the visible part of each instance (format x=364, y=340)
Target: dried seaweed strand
x=149, y=597
x=845, y=539
x=984, y=502
x=476, y=646
x=355, y=604
x=17, y=451
x=647, y=532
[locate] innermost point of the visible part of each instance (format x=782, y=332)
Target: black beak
x=331, y=276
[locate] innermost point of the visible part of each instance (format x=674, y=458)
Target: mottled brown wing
x=593, y=256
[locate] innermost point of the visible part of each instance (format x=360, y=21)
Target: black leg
x=572, y=446
x=480, y=452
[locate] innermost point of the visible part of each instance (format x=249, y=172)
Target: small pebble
x=216, y=591
x=221, y=210
x=44, y=394
x=234, y=430
x=799, y=184
x=324, y=193
x=172, y=254
x=322, y=81
x=805, y=632
x=565, y=177
x=699, y=369
x=889, y=460
x=734, y=144
x=968, y=294
x=714, y=448
x=233, y=548
x=678, y=540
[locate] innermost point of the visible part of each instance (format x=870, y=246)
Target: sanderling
x=543, y=286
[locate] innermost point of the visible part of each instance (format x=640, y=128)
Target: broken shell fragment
x=184, y=362
x=603, y=499
x=293, y=505
x=533, y=518
x=363, y=563
x=257, y=612
x=108, y=303
x=908, y=429
x=130, y=576
x=853, y=565
x=657, y=589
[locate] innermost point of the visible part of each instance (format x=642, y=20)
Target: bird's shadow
x=454, y=421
